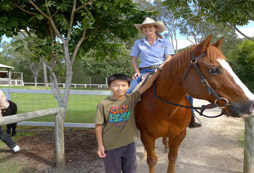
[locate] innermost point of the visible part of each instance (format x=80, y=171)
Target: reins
x=205, y=83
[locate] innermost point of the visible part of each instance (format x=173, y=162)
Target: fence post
x=59, y=140
x=248, y=145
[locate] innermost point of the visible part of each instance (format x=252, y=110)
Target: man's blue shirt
x=152, y=55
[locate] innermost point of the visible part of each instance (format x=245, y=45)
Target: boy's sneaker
x=15, y=149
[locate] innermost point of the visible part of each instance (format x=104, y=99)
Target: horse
x=11, y=110
x=200, y=71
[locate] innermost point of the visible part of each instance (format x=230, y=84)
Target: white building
x=9, y=78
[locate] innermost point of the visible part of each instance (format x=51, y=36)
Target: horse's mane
x=183, y=58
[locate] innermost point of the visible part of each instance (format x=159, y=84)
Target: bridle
x=210, y=90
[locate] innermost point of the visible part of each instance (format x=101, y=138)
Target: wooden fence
x=248, y=145
x=59, y=128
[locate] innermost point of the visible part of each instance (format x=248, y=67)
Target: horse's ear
x=218, y=43
x=202, y=47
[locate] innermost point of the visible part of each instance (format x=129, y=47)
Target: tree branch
x=26, y=36
x=240, y=32
x=28, y=12
x=78, y=45
x=53, y=81
x=55, y=12
x=37, y=8
x=85, y=4
x=50, y=20
x=71, y=20
x=48, y=10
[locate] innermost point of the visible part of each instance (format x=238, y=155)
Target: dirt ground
x=212, y=148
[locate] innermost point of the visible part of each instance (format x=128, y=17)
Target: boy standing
x=115, y=128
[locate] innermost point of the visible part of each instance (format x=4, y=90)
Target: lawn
x=81, y=108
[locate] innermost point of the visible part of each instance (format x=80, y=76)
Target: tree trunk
x=35, y=68
x=35, y=80
x=45, y=76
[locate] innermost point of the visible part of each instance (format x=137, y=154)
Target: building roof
x=6, y=66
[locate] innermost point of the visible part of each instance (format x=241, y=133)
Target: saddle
x=144, y=77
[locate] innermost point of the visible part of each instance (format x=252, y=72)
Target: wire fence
x=81, y=106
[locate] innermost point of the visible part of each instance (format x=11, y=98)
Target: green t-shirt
x=118, y=119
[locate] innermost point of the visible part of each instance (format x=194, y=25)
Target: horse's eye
x=215, y=70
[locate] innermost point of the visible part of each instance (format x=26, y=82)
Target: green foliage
x=242, y=60
x=106, y=66
x=234, y=12
x=103, y=20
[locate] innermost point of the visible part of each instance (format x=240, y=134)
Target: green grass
x=81, y=108
x=240, y=138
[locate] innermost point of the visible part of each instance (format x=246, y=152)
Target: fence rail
x=8, y=92
x=72, y=85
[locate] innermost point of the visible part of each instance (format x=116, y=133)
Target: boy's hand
x=101, y=152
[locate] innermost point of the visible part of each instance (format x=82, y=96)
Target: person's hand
x=101, y=152
x=136, y=75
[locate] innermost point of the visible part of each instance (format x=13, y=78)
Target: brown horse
x=156, y=118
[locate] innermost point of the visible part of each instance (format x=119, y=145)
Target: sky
x=246, y=29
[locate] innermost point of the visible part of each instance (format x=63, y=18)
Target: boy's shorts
x=121, y=159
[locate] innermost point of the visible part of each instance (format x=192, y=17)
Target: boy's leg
x=6, y=139
x=112, y=162
x=129, y=163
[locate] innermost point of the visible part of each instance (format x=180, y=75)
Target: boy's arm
x=149, y=82
x=98, y=132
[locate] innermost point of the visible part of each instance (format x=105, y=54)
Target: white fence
x=72, y=85
x=8, y=92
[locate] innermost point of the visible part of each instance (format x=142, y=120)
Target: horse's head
x=216, y=81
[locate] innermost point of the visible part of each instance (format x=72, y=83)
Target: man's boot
x=194, y=124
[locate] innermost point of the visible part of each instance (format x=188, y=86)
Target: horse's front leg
x=174, y=144
x=149, y=144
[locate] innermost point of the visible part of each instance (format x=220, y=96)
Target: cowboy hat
x=160, y=25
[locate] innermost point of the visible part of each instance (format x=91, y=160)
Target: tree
x=107, y=66
x=171, y=20
x=20, y=58
x=242, y=60
x=231, y=13
x=74, y=24
x=70, y=23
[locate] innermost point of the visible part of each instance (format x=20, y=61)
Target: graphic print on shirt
x=119, y=115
